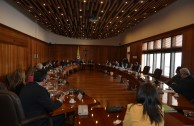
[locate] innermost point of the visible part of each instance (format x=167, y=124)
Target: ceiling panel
x=90, y=19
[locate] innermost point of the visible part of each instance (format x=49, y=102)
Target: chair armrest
x=36, y=118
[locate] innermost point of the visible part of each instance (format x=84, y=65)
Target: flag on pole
x=78, y=55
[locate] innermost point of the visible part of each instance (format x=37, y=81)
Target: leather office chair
x=133, y=83
x=157, y=74
x=146, y=70
x=9, y=80
x=11, y=111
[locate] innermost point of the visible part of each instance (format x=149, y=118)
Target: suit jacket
x=18, y=88
x=174, y=79
x=36, y=100
x=185, y=87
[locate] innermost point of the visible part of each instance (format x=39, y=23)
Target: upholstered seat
x=11, y=111
x=146, y=70
x=133, y=83
x=157, y=74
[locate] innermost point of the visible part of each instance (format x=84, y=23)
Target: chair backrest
x=157, y=74
x=133, y=82
x=146, y=70
x=9, y=81
x=11, y=111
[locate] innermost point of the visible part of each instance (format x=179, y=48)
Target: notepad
x=168, y=108
x=82, y=109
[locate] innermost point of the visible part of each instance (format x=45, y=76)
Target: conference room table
x=100, y=117
x=79, y=96
x=89, y=66
x=175, y=100
x=167, y=95
x=71, y=107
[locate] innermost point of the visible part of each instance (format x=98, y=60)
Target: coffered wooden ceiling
x=90, y=19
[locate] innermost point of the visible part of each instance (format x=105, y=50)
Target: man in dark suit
x=176, y=78
x=36, y=100
x=186, y=84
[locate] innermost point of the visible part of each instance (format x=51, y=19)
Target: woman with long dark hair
x=148, y=109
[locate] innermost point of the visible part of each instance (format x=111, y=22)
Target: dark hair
x=178, y=69
x=2, y=86
x=39, y=76
x=147, y=95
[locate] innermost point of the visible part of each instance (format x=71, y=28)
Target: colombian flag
x=78, y=55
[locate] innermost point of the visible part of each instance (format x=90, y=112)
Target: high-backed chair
x=133, y=82
x=11, y=111
x=146, y=70
x=157, y=74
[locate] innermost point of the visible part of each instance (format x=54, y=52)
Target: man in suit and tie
x=36, y=100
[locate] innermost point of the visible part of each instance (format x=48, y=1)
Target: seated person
x=18, y=81
x=2, y=86
x=36, y=100
x=186, y=85
x=176, y=78
x=39, y=67
x=30, y=75
x=136, y=67
x=148, y=109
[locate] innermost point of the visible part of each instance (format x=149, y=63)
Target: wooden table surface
x=99, y=117
x=70, y=107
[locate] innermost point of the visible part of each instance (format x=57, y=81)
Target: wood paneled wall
x=188, y=49
x=17, y=51
x=99, y=54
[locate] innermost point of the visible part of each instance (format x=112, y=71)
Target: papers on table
x=82, y=109
x=168, y=91
x=79, y=96
x=168, y=108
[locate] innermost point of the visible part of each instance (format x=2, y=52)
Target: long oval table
x=100, y=117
